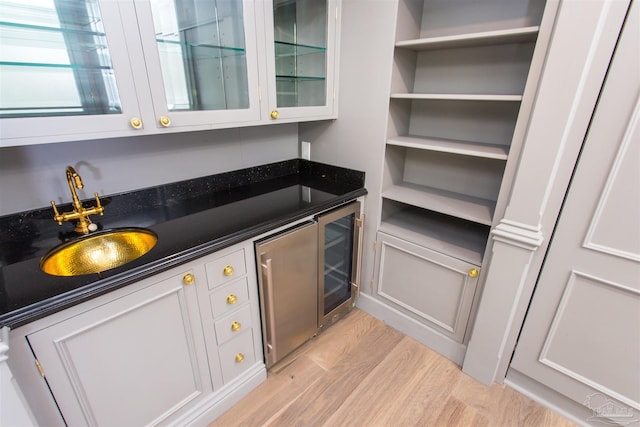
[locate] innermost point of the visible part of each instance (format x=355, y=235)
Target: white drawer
x=226, y=268
x=234, y=324
x=228, y=297
x=237, y=355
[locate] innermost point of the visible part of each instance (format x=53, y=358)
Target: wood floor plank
x=270, y=397
x=326, y=395
x=342, y=337
x=385, y=389
x=425, y=402
x=457, y=413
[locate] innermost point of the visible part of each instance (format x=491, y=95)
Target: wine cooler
x=308, y=278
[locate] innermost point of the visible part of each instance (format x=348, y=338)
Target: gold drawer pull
x=227, y=270
x=239, y=357
x=232, y=299
x=235, y=326
x=274, y=114
x=473, y=272
x=188, y=279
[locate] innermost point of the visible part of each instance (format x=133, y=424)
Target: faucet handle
x=98, y=206
x=57, y=217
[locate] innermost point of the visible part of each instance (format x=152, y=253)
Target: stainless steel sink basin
x=98, y=252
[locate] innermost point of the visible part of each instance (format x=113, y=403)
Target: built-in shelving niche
x=459, y=74
x=446, y=234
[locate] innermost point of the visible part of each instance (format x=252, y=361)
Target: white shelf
x=439, y=233
x=457, y=97
x=458, y=205
x=515, y=35
x=467, y=148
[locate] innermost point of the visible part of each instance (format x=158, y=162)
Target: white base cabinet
x=130, y=361
x=159, y=352
x=427, y=285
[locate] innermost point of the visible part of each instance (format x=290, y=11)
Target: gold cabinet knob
x=274, y=114
x=239, y=357
x=188, y=279
x=232, y=299
x=235, y=326
x=165, y=121
x=473, y=272
x=227, y=270
x=136, y=122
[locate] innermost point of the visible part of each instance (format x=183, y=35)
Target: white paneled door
x=581, y=336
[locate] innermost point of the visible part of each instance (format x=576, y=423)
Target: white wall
x=31, y=176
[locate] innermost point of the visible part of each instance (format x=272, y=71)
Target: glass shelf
x=85, y=14
x=222, y=51
x=21, y=42
x=37, y=28
x=300, y=78
x=48, y=65
x=194, y=25
x=284, y=49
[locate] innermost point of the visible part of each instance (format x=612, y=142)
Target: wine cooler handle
x=268, y=286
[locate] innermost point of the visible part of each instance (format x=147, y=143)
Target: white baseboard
x=223, y=399
x=571, y=410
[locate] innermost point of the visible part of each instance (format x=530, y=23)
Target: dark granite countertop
x=191, y=218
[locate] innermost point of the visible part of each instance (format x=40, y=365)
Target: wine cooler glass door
x=338, y=261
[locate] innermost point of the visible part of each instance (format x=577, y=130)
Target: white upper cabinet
x=63, y=71
x=200, y=60
x=72, y=70
x=301, y=39
x=95, y=68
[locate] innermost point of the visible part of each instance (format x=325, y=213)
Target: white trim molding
x=15, y=411
x=517, y=234
x=584, y=36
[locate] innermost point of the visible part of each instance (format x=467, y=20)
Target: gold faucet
x=84, y=224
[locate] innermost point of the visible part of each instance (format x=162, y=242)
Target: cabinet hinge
x=375, y=246
x=40, y=369
x=336, y=13
x=371, y=285
x=259, y=94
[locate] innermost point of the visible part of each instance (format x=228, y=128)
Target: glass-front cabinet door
x=301, y=54
x=201, y=61
x=63, y=70
x=84, y=69
x=339, y=235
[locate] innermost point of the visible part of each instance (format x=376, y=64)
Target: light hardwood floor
x=361, y=372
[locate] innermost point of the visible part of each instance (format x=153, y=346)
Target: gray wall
x=356, y=140
x=31, y=176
